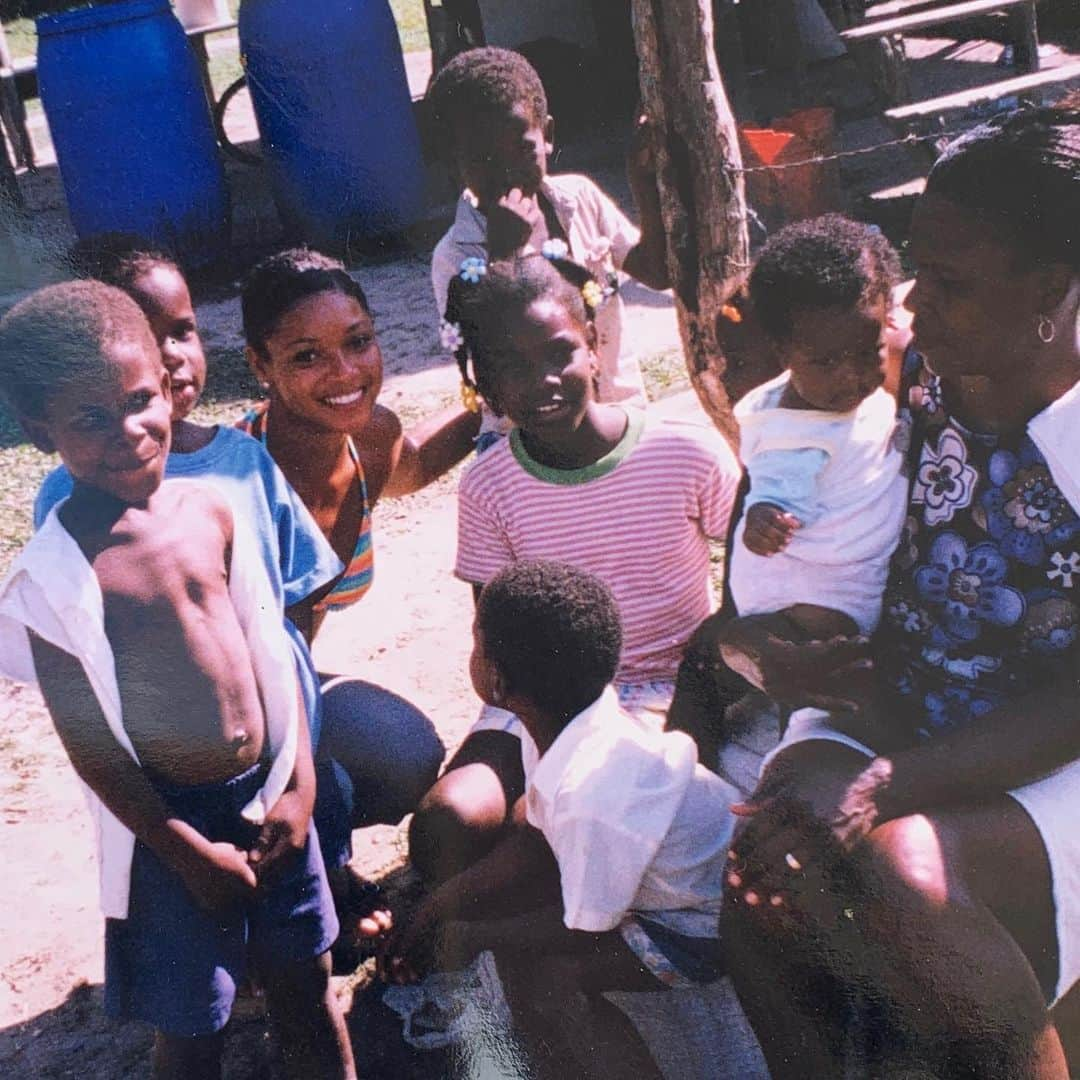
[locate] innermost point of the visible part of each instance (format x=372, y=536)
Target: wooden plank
x=898, y=7
x=699, y=178
x=964, y=99
x=935, y=17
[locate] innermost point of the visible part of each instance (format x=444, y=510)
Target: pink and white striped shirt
x=639, y=518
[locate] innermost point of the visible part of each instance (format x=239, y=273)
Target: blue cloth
x=788, y=479
x=378, y=756
x=297, y=557
x=981, y=606
x=175, y=966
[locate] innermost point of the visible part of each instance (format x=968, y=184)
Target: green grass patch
x=664, y=373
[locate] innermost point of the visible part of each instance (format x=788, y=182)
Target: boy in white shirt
x=638, y=829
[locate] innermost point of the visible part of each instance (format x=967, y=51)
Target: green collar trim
x=635, y=425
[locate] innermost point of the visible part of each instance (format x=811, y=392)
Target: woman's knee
x=389, y=748
x=916, y=850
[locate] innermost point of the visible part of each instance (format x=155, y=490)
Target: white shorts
x=1050, y=803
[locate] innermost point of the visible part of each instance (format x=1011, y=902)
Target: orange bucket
x=793, y=193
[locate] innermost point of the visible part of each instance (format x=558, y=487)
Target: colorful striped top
x=639, y=519
x=358, y=575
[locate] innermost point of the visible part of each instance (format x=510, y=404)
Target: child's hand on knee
x=409, y=950
x=769, y=529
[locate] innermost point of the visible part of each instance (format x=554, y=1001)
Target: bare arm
x=429, y=449
x=214, y=873
x=772, y=653
x=519, y=872
x=285, y=830
x=647, y=260
x=1015, y=744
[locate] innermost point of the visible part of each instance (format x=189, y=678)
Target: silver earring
x=1046, y=330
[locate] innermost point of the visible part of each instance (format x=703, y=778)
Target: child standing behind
x=145, y=614
x=631, y=499
x=639, y=830
x=827, y=490
x=492, y=111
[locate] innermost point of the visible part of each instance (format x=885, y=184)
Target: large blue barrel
x=328, y=85
x=131, y=126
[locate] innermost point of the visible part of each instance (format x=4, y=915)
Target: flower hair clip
x=472, y=270
x=592, y=292
x=450, y=336
x=555, y=249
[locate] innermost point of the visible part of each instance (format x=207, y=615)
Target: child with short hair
x=631, y=499
x=820, y=444
x=639, y=831
x=491, y=110
x=143, y=612
x=352, y=754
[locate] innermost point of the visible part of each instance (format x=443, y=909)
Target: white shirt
x=599, y=236
x=840, y=559
x=52, y=590
x=636, y=824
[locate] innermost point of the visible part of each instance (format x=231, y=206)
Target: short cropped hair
x=281, y=281
x=828, y=261
x=482, y=81
x=553, y=633
x=62, y=333
x=119, y=259
x=1021, y=172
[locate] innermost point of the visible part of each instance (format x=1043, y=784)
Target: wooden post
x=696, y=148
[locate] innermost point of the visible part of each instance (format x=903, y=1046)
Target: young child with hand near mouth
x=491, y=110
x=143, y=611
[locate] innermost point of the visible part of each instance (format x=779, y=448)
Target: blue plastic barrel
x=131, y=126
x=328, y=85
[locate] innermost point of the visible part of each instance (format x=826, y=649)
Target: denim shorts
x=175, y=966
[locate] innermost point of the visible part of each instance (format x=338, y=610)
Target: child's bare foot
x=364, y=915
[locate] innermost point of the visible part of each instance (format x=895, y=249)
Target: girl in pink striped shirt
x=595, y=485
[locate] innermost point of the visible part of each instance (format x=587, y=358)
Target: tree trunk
x=696, y=149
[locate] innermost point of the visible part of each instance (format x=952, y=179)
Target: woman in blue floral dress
x=920, y=909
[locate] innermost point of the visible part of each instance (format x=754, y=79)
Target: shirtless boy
x=143, y=611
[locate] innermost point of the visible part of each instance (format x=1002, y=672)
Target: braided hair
x=478, y=308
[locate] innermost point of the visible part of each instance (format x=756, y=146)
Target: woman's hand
x=815, y=803
x=836, y=675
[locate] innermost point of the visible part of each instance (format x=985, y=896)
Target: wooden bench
x=1022, y=13
x=878, y=46
x=906, y=116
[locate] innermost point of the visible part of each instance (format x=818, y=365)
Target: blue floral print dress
x=982, y=600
